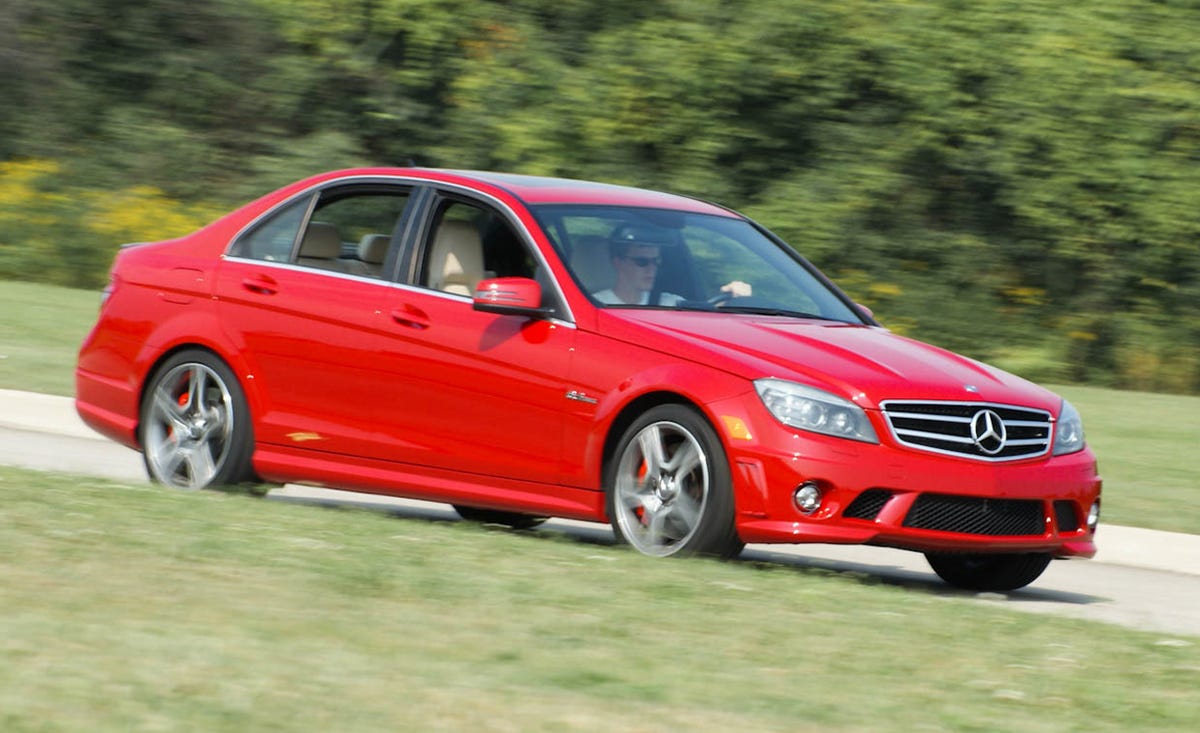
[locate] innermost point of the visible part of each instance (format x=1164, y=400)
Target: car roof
x=533, y=190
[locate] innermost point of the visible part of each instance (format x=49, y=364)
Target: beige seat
x=372, y=249
x=321, y=247
x=591, y=261
x=456, y=258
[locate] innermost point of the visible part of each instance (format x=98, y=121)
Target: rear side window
x=273, y=238
x=350, y=230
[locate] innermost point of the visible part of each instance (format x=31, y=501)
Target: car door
x=303, y=293
x=473, y=392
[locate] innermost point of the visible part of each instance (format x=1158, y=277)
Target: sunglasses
x=645, y=261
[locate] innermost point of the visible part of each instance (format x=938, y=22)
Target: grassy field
x=41, y=328
x=1144, y=445
x=132, y=608
x=1144, y=441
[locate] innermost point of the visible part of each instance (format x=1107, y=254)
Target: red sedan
x=526, y=347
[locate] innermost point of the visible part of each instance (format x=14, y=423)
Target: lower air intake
x=1064, y=512
x=868, y=504
x=973, y=515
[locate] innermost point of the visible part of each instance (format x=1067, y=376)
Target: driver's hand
x=738, y=289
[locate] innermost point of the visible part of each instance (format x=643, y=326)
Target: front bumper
x=890, y=495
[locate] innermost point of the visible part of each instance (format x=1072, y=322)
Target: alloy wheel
x=662, y=488
x=190, y=421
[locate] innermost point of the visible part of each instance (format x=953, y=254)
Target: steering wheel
x=721, y=299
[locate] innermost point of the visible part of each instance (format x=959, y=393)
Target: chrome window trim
x=515, y=221
x=392, y=284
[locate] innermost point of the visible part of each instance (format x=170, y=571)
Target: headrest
x=457, y=258
x=373, y=248
x=321, y=241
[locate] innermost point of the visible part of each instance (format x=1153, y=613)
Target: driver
x=636, y=256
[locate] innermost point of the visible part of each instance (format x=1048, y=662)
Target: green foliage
x=1013, y=180
x=55, y=232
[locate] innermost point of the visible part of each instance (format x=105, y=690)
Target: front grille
x=1064, y=512
x=973, y=515
x=977, y=430
x=868, y=504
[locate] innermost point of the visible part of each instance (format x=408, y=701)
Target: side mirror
x=869, y=313
x=510, y=296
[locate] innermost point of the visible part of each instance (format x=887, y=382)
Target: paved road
x=1141, y=579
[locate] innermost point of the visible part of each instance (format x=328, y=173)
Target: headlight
x=1068, y=432
x=807, y=408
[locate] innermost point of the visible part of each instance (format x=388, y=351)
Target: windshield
x=633, y=257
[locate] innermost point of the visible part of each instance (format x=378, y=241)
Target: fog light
x=807, y=497
x=1093, y=516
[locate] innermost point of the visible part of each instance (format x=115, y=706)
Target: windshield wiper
x=759, y=310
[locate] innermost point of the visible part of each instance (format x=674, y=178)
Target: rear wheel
x=195, y=425
x=669, y=490
x=988, y=572
x=515, y=520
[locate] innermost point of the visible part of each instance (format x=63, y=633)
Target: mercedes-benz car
x=524, y=347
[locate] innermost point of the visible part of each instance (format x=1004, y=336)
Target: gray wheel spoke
x=686, y=511
x=656, y=528
x=196, y=380
x=168, y=409
x=686, y=459
x=201, y=467
x=215, y=423
x=650, y=441
x=634, y=499
x=169, y=456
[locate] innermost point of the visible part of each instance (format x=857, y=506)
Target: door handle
x=411, y=316
x=260, y=284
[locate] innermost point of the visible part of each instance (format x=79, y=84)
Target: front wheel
x=195, y=426
x=669, y=490
x=988, y=572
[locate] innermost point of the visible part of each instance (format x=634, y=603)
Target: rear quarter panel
x=161, y=301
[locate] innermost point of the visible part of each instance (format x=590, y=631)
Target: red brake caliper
x=640, y=511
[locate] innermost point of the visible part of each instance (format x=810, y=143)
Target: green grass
x=1144, y=444
x=133, y=608
x=41, y=328
x=1144, y=441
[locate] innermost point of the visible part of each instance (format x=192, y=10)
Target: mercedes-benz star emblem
x=987, y=430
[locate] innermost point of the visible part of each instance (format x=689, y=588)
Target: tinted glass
x=351, y=229
x=469, y=243
x=699, y=262
x=272, y=239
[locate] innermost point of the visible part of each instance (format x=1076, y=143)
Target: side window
x=469, y=243
x=273, y=238
x=351, y=230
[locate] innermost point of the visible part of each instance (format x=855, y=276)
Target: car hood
x=864, y=363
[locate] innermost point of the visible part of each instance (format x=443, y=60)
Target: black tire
x=988, y=572
x=194, y=426
x=678, y=501
x=515, y=520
